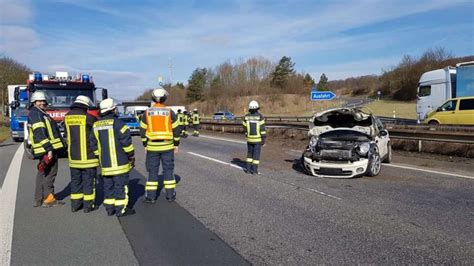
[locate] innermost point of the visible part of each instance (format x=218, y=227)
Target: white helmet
x=253, y=105
x=38, y=96
x=159, y=95
x=195, y=110
x=83, y=100
x=107, y=105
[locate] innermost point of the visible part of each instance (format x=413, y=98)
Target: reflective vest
x=254, y=125
x=112, y=142
x=78, y=125
x=44, y=134
x=196, y=118
x=159, y=125
x=181, y=118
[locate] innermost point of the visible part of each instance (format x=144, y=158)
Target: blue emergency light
x=38, y=76
x=85, y=79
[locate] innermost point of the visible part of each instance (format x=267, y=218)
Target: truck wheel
x=28, y=150
x=375, y=164
x=388, y=156
x=16, y=139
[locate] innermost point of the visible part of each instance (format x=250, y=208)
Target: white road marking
x=288, y=183
x=223, y=139
x=7, y=206
x=215, y=160
x=428, y=171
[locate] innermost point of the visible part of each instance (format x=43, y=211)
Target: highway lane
x=164, y=233
x=401, y=216
x=7, y=150
x=224, y=216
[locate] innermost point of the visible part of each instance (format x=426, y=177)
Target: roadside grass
x=4, y=133
x=387, y=108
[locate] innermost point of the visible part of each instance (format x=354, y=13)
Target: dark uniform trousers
x=116, y=193
x=83, y=187
x=196, y=128
x=153, y=159
x=253, y=156
x=45, y=179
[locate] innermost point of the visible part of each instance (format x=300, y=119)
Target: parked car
x=345, y=143
x=223, y=115
x=457, y=111
x=132, y=122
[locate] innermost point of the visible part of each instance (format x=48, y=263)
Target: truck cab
x=18, y=114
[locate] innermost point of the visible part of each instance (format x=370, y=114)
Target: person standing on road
x=181, y=117
x=160, y=130
x=112, y=143
x=255, y=133
x=82, y=161
x=196, y=118
x=46, y=142
x=185, y=124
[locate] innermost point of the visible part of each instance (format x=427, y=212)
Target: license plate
x=330, y=171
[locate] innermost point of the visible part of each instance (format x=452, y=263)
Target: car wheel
x=433, y=123
x=375, y=164
x=303, y=168
x=28, y=150
x=388, y=156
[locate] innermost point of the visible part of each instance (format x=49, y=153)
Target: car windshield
x=20, y=111
x=65, y=97
x=128, y=119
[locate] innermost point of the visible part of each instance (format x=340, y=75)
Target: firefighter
x=112, y=143
x=159, y=128
x=195, y=120
x=46, y=143
x=185, y=124
x=180, y=116
x=82, y=161
x=255, y=133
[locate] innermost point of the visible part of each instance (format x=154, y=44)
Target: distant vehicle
x=457, y=111
x=345, y=143
x=132, y=122
x=223, y=115
x=437, y=86
x=175, y=108
x=135, y=110
x=18, y=114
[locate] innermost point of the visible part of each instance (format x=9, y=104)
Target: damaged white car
x=345, y=143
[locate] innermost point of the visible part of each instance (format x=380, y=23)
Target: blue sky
x=126, y=45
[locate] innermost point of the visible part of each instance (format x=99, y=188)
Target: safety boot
x=91, y=208
x=171, y=196
x=37, y=203
x=51, y=201
x=127, y=212
x=149, y=200
x=76, y=208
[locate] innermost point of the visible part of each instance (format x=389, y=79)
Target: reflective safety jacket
x=44, y=134
x=160, y=128
x=78, y=126
x=254, y=126
x=181, y=119
x=112, y=143
x=196, y=118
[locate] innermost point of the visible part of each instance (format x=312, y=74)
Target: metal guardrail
x=448, y=134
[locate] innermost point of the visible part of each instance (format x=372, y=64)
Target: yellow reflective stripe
x=109, y=201
x=89, y=197
x=77, y=196
x=256, y=162
x=41, y=143
x=123, y=202
x=37, y=125
x=263, y=132
x=254, y=140
x=151, y=183
x=151, y=187
x=144, y=139
x=112, y=152
x=83, y=164
x=143, y=125
x=160, y=146
x=128, y=148
x=169, y=182
x=83, y=142
x=120, y=202
x=175, y=124
x=108, y=171
x=123, y=129
x=50, y=131
x=39, y=150
x=262, y=122
x=96, y=152
x=170, y=186
x=249, y=160
x=177, y=139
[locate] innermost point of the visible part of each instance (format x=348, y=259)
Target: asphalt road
x=224, y=216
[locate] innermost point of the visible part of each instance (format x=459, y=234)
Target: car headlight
x=313, y=141
x=363, y=148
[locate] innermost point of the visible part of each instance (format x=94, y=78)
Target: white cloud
x=15, y=11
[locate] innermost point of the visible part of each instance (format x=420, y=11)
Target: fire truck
x=61, y=90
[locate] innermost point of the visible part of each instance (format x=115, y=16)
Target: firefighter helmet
x=159, y=95
x=38, y=96
x=253, y=105
x=195, y=110
x=83, y=100
x=107, y=105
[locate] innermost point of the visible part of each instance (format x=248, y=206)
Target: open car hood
x=342, y=118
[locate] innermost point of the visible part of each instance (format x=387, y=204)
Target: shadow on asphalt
x=61, y=195
x=239, y=162
x=8, y=144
